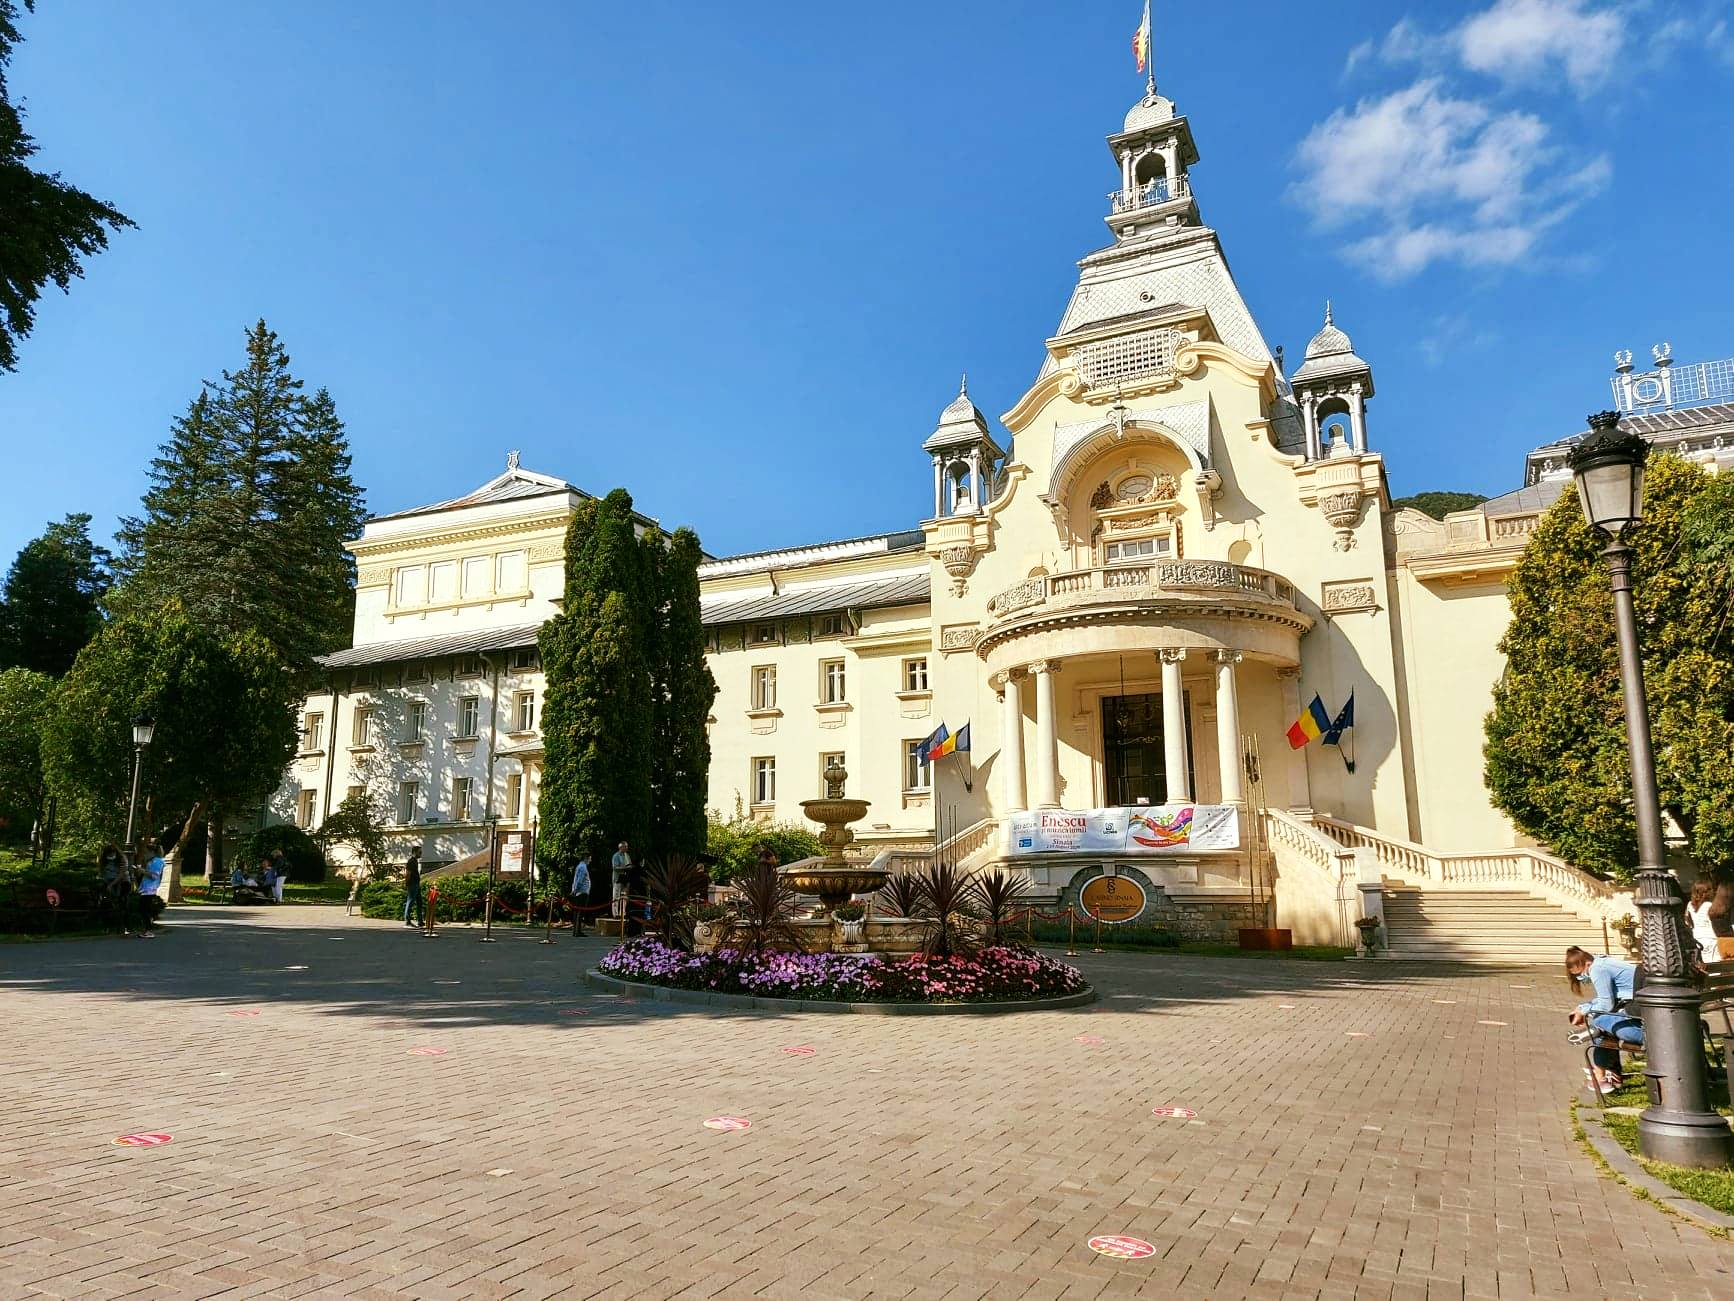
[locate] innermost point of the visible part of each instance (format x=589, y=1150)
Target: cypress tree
x=687, y=691
x=559, y=840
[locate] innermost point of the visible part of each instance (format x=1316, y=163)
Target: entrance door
x=1132, y=749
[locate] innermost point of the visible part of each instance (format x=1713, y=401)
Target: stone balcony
x=1154, y=580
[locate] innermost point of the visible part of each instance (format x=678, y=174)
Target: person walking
x=580, y=893
x=412, y=888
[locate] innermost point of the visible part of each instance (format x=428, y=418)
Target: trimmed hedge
x=462, y=898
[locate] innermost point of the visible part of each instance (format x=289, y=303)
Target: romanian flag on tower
x=1141, y=40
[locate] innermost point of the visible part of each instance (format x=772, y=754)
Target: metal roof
x=1656, y=424
x=905, y=589
x=514, y=485
x=422, y=648
x=812, y=553
x=1522, y=501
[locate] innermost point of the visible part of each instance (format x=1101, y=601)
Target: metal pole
x=132, y=804
x=1679, y=1126
x=1071, y=931
x=488, y=903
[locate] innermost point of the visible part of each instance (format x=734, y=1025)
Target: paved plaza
x=1360, y=1132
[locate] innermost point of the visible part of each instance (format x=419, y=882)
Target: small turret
x=1333, y=381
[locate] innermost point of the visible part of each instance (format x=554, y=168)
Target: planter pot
x=1266, y=937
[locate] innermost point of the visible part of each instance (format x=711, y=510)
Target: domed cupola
x=1153, y=149
x=1333, y=381
x=964, y=454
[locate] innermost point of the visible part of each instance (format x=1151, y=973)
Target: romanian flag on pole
x=1141, y=40
x=944, y=742
x=1313, y=723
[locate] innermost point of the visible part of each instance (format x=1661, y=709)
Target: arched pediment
x=1108, y=436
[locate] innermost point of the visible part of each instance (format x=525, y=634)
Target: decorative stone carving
x=1044, y=666
x=1172, y=654
x=959, y=562
x=1197, y=573
x=1003, y=679
x=1343, y=598
x=1032, y=591
x=1227, y=656
x=373, y=576
x=1342, y=511
x=959, y=637
x=1207, y=483
x=1103, y=496
x=544, y=551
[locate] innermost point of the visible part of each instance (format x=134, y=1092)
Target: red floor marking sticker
x=143, y=1140
x=1089, y=1039
x=574, y=1011
x=799, y=1050
x=1121, y=1247
x=428, y=1052
x=241, y=1012
x=1178, y=1113
x=728, y=1123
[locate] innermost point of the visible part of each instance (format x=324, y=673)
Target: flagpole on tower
x=1141, y=44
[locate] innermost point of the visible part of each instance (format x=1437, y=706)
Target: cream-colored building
x=1128, y=589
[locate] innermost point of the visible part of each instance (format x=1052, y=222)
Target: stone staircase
x=1492, y=925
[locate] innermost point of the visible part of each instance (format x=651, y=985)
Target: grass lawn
x=1715, y=1188
x=334, y=890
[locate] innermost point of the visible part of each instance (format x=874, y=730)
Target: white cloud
x=1438, y=178
x=1524, y=40
x=1454, y=334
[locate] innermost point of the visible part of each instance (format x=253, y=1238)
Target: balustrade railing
x=1148, y=195
x=1154, y=578
x=1554, y=879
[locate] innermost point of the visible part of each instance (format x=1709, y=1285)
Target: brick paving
x=1366, y=1141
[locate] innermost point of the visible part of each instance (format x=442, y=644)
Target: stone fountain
x=831, y=877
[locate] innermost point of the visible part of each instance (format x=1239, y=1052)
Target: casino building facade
x=1129, y=587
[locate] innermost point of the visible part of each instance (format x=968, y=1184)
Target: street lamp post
x=143, y=728
x=1679, y=1125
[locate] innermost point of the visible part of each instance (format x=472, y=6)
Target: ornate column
x=1300, y=791
x=975, y=495
x=1011, y=741
x=938, y=487
x=1310, y=417
x=1228, y=726
x=1126, y=171
x=1174, y=728
x=1047, y=792
x=1358, y=416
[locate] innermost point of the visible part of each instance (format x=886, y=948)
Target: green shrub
x=735, y=844
x=24, y=895
x=462, y=898
x=1143, y=937
x=382, y=898
x=300, y=851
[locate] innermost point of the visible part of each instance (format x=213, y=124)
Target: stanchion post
x=1071, y=931
x=493, y=861
x=1097, y=946
x=427, y=921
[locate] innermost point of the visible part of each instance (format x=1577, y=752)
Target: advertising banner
x=1141, y=829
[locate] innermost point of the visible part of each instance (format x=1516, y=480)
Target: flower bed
x=993, y=975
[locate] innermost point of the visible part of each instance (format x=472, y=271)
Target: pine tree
x=51, y=604
x=250, y=504
x=46, y=225
x=687, y=691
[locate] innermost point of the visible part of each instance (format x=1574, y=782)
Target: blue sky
x=734, y=257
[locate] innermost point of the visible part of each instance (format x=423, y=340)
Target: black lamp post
x=143, y=728
x=1679, y=1125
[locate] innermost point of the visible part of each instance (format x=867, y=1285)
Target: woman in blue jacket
x=1613, y=981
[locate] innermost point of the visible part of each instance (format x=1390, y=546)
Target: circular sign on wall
x=1112, y=899
x=53, y=897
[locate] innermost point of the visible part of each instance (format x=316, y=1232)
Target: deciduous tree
x=46, y=224
x=26, y=698
x=225, y=727
x=1556, y=739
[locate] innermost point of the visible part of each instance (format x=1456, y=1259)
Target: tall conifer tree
x=686, y=692
x=250, y=504
x=51, y=604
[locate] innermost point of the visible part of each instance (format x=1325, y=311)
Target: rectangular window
x=762, y=632
x=478, y=573
x=415, y=720
x=832, y=625
x=462, y=789
x=469, y=717
x=443, y=581
x=765, y=687
x=361, y=726
x=514, y=796
x=354, y=793
x=525, y=660
x=915, y=674
x=313, y=731
x=415, y=671
x=764, y=781
x=917, y=768
x=412, y=585
x=469, y=666
x=408, y=802
x=511, y=572
x=524, y=711
x=304, y=809
x=1131, y=550
x=832, y=683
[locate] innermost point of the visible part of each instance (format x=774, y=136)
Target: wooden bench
x=1716, y=1017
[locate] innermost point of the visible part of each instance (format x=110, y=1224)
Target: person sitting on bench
x=1613, y=981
